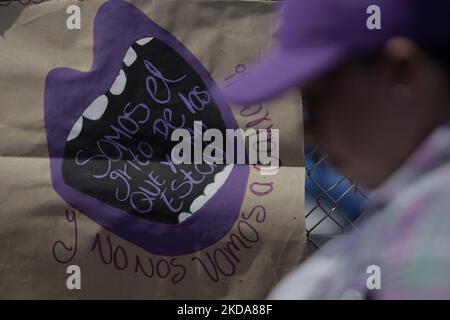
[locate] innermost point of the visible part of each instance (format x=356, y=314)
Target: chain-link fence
x=332, y=202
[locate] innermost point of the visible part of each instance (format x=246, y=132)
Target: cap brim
x=279, y=72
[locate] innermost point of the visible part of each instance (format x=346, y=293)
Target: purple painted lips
x=109, y=135
x=119, y=148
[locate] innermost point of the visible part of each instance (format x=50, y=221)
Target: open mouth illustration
x=109, y=138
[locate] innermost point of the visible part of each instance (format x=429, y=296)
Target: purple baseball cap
x=317, y=35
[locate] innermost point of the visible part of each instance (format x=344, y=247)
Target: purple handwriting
x=223, y=261
x=216, y=262
x=118, y=162
x=69, y=250
x=120, y=259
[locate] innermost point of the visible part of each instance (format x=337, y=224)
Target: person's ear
x=403, y=57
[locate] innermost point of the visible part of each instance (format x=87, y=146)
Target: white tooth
x=76, y=129
x=144, y=41
x=119, y=84
x=96, y=108
x=219, y=180
x=223, y=175
x=130, y=57
x=198, y=203
x=183, y=216
x=211, y=189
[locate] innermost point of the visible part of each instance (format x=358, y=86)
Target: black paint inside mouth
x=123, y=158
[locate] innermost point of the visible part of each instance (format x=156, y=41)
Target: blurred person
x=379, y=107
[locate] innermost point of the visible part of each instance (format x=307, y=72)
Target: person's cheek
x=339, y=139
x=328, y=133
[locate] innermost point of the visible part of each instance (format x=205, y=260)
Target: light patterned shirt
x=401, y=250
